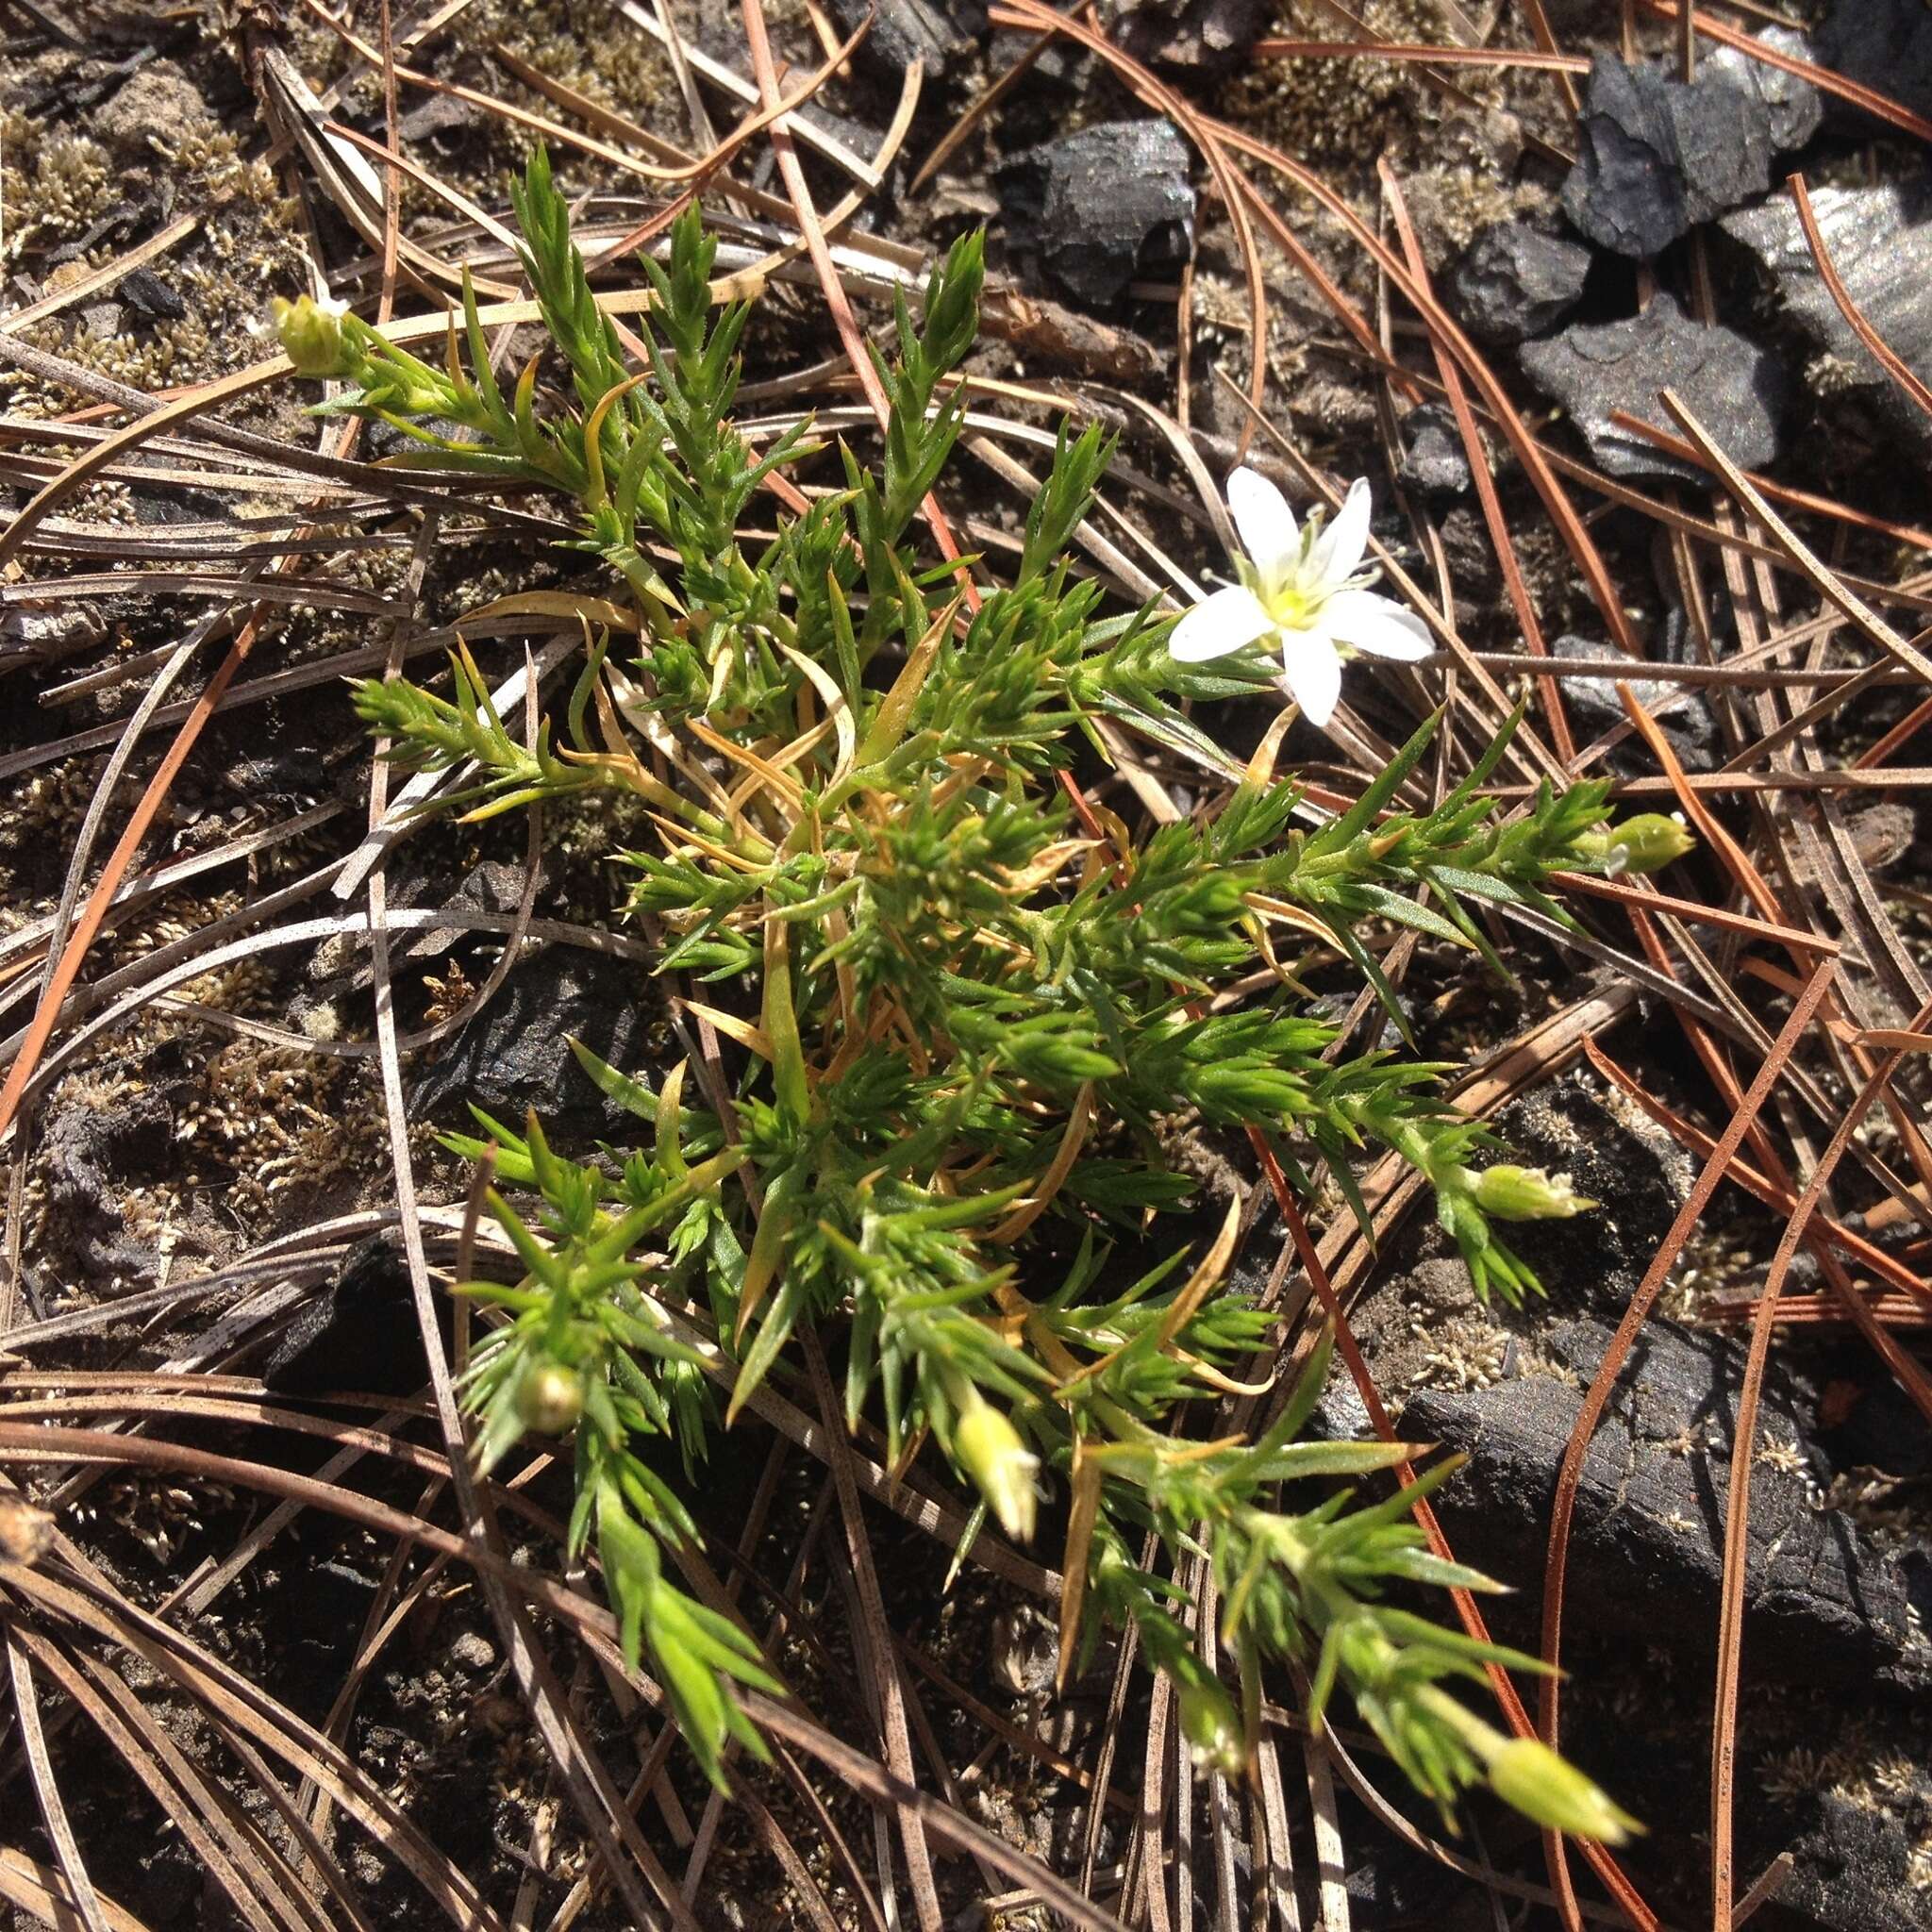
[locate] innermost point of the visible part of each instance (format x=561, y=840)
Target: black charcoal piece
x=1515, y=280
x=1825, y=1602
x=1885, y=44
x=1793, y=104
x=1735, y=389
x=1654, y=157
x=1879, y=241
x=515, y=1054
x=1202, y=36
x=1433, y=458
x=89, y=1151
x=1595, y=708
x=360, y=1333
x=437, y=114
x=147, y=295
x=1101, y=206
x=904, y=31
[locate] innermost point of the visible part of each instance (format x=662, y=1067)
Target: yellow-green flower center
x=1293, y=607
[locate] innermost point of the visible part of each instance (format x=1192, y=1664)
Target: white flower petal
x=1313, y=672
x=1267, y=525
x=1338, y=553
x=1221, y=624
x=1377, y=625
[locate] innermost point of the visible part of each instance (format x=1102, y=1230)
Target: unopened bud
x=1645, y=843
x=1210, y=1725
x=990, y=1450
x=1528, y=1774
x=313, y=337
x=550, y=1398
x=1528, y=1193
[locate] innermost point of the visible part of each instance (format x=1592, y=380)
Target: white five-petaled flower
x=1303, y=590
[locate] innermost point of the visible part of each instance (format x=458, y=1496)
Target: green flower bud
x=550, y=1397
x=313, y=337
x=987, y=1447
x=1211, y=1723
x=1528, y=1774
x=1645, y=843
x=1528, y=1193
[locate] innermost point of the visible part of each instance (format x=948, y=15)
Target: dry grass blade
x=27, y=1711
x=230, y=1697
x=62, y=973
x=1827, y=584
x=878, y=1644
x=1742, y=1120
x=125, y=1625
x=1405, y=51
x=45, y=1891
x=1499, y=538
x=1906, y=379
x=97, y=281
x=787, y=123
x=1807, y=500
x=1331, y=1857
x=264, y=1891
x=1738, y=1500
x=1774, y=1194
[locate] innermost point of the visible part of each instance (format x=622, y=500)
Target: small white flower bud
x=1528, y=1774
x=314, y=338
x=1528, y=1193
x=1211, y=1726
x=550, y=1398
x=1645, y=843
x=990, y=1450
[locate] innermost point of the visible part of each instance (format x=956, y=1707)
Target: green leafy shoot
x=966, y=1027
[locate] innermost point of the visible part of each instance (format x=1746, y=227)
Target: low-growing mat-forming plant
x=959, y=1009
